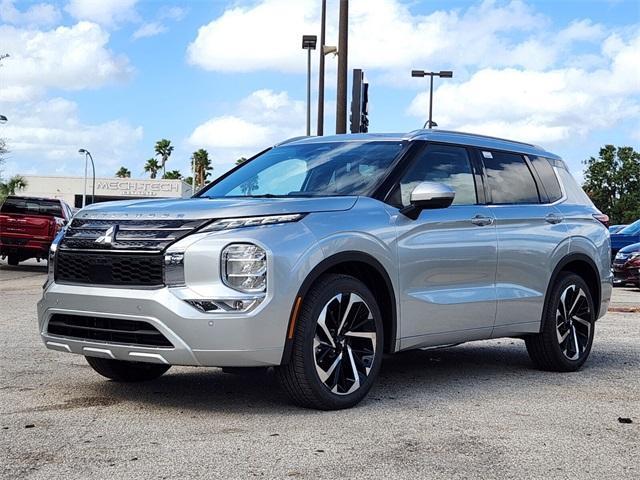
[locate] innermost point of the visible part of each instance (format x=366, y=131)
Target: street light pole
x=308, y=44
x=323, y=22
x=343, y=41
x=441, y=74
x=87, y=154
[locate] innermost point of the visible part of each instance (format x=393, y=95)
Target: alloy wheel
x=344, y=345
x=573, y=322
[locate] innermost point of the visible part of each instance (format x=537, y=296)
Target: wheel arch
x=581, y=265
x=365, y=268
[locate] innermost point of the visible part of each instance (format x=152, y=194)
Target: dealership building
x=70, y=189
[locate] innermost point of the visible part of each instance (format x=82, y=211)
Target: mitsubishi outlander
x=319, y=255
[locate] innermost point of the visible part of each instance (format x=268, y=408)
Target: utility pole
x=323, y=27
x=343, y=40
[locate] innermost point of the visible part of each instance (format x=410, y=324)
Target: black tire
x=547, y=350
x=124, y=371
x=300, y=378
x=13, y=260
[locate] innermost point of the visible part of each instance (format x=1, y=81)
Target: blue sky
x=114, y=76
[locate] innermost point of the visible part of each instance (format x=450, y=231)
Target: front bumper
x=626, y=275
x=199, y=339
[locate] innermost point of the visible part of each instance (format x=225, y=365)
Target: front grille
x=110, y=330
x=149, y=235
x=109, y=269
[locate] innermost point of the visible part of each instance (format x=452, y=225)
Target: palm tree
x=203, y=167
x=124, y=172
x=152, y=166
x=15, y=183
x=172, y=175
x=163, y=149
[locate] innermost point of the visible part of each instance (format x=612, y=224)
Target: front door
x=446, y=257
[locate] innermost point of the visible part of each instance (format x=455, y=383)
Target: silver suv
x=319, y=255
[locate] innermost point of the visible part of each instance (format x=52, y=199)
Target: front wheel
x=124, y=371
x=566, y=338
x=337, y=345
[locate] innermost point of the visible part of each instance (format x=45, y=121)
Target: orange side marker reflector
x=294, y=317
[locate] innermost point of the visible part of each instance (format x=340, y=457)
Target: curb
x=634, y=309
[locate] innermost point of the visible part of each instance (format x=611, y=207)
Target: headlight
x=51, y=260
x=230, y=223
x=634, y=255
x=244, y=267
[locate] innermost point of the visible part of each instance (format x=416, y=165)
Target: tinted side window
x=509, y=178
x=547, y=177
x=438, y=163
x=32, y=206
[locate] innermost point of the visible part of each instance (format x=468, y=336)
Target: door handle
x=553, y=218
x=481, y=220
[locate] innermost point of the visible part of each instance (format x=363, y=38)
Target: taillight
x=602, y=218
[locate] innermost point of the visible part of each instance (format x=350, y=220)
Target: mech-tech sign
x=135, y=188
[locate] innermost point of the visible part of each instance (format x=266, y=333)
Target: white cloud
x=264, y=37
x=261, y=119
x=42, y=135
x=147, y=30
x=69, y=58
x=542, y=106
x=37, y=14
x=104, y=12
x=159, y=26
x=384, y=34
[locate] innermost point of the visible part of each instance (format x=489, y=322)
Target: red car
x=626, y=266
x=28, y=225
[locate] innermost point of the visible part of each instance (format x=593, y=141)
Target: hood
x=634, y=247
x=201, y=208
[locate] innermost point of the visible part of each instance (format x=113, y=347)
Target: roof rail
x=416, y=133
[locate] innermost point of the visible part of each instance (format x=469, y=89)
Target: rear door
x=446, y=257
x=531, y=236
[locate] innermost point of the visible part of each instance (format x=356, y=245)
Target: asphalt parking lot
x=477, y=410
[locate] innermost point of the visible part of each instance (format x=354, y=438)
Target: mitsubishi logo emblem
x=109, y=236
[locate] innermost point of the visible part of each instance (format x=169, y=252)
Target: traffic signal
x=359, y=118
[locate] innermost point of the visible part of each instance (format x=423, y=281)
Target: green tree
x=188, y=180
x=152, y=167
x=124, y=172
x=240, y=161
x=172, y=175
x=14, y=184
x=163, y=150
x=203, y=167
x=612, y=181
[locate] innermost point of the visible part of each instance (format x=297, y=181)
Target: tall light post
x=343, y=44
x=87, y=155
x=323, y=28
x=308, y=44
x=441, y=74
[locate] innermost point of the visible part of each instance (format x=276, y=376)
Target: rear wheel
x=13, y=260
x=337, y=347
x=567, y=335
x=124, y=371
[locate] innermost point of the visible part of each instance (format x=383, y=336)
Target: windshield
x=633, y=229
x=312, y=169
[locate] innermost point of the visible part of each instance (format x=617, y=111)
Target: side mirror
x=427, y=195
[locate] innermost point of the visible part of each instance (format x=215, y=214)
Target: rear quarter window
x=548, y=178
